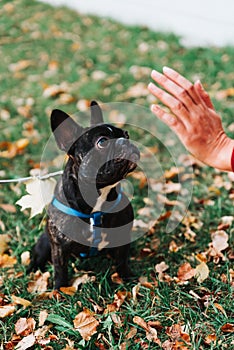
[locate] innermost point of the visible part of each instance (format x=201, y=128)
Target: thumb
x=203, y=94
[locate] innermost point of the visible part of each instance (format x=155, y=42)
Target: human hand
x=192, y=117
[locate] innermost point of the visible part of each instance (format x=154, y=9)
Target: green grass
x=80, y=46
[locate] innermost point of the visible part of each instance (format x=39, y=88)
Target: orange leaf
x=86, y=324
x=228, y=328
x=185, y=272
x=68, y=290
x=7, y=260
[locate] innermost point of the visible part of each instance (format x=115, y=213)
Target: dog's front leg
x=60, y=262
x=122, y=261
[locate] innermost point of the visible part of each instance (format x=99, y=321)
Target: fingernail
x=151, y=86
x=166, y=69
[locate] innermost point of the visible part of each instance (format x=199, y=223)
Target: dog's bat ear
x=96, y=113
x=66, y=131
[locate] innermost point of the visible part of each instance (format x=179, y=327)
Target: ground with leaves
x=182, y=297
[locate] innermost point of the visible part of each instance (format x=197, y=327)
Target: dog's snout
x=122, y=141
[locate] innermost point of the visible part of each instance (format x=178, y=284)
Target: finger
x=203, y=94
x=176, y=106
x=169, y=119
x=176, y=90
x=181, y=81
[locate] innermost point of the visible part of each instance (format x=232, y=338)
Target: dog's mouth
x=118, y=168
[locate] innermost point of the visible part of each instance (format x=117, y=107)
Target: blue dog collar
x=96, y=217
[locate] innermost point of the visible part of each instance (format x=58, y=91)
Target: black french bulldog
x=89, y=211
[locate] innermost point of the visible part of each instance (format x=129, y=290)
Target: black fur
x=99, y=156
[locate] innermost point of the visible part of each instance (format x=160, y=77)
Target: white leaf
x=40, y=194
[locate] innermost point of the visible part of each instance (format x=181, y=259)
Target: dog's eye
x=102, y=142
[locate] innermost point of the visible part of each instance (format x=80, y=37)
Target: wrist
x=226, y=156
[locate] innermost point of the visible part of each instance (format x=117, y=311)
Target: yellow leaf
x=201, y=272
x=20, y=301
x=4, y=240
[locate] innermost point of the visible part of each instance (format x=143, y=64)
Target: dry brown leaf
x=42, y=317
x=7, y=261
x=131, y=333
x=228, y=328
x=135, y=292
x=25, y=326
x=210, y=338
x=185, y=272
x=9, y=208
x=119, y=299
x=7, y=310
x=39, y=282
x=20, y=301
x=4, y=240
x=140, y=322
x=162, y=267
x=151, y=333
x=220, y=308
x=86, y=324
x=201, y=272
x=81, y=280
x=115, y=278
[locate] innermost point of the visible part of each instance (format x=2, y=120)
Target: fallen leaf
x=80, y=280
x=115, y=278
x=86, y=324
x=131, y=333
x=185, y=272
x=9, y=208
x=20, y=65
x=162, y=267
x=26, y=343
x=68, y=290
x=11, y=149
x=140, y=322
x=210, y=338
x=228, y=328
x=25, y=258
x=20, y=301
x=219, y=240
x=7, y=261
x=40, y=194
x=201, y=272
x=4, y=240
x=42, y=317
x=39, y=282
x=25, y=326
x=7, y=310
